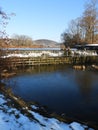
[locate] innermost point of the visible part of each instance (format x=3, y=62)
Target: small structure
x=91, y=47
x=85, y=50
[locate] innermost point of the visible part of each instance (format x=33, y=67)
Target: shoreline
x=25, y=106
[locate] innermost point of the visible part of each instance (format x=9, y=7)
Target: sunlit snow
x=13, y=119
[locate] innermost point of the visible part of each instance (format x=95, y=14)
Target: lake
x=61, y=88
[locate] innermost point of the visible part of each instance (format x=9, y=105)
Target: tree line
x=21, y=41
x=83, y=29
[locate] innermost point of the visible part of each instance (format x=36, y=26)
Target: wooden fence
x=32, y=61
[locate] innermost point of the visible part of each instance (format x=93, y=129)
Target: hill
x=46, y=43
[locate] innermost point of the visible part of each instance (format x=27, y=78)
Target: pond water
x=60, y=88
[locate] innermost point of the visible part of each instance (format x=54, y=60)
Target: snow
x=35, y=54
x=53, y=54
x=34, y=107
x=12, y=119
x=83, y=53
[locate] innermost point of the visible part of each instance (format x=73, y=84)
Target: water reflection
x=61, y=88
x=84, y=81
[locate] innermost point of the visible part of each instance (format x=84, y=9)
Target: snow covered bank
x=12, y=119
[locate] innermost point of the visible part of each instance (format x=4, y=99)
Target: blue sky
x=41, y=19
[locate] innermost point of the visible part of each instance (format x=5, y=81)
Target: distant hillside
x=41, y=43
x=46, y=43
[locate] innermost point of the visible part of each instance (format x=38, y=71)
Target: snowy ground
x=13, y=119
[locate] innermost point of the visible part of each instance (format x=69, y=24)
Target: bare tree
x=66, y=38
x=73, y=34
x=3, y=23
x=89, y=21
x=76, y=30
x=85, y=28
x=4, y=41
x=22, y=41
